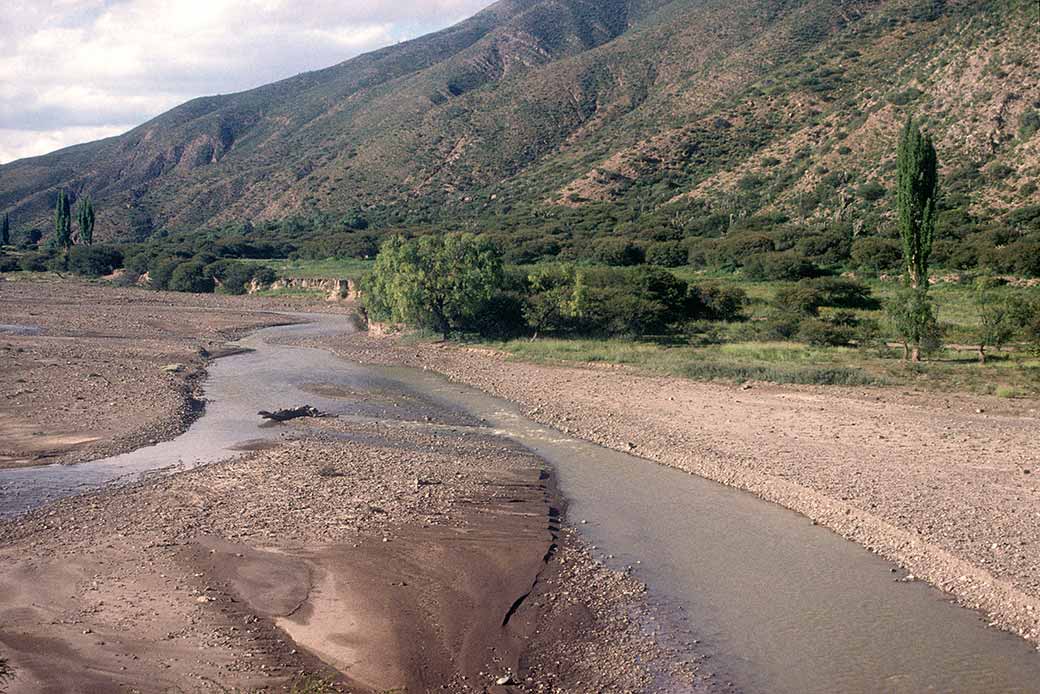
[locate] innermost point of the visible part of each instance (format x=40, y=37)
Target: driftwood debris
x=292, y=413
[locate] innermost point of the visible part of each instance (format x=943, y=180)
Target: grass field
x=1014, y=372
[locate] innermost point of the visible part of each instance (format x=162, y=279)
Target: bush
x=824, y=333
x=94, y=261
x=733, y=251
x=34, y=262
x=779, y=266
x=666, y=254
x=839, y=292
x=798, y=300
x=1029, y=125
x=720, y=302
x=8, y=263
x=264, y=276
x=872, y=191
x=160, y=270
x=616, y=253
x=191, y=277
x=877, y=254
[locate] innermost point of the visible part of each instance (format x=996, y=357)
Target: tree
x=94, y=261
x=914, y=319
x=5, y=231
x=63, y=223
x=433, y=282
x=85, y=217
x=191, y=277
x=917, y=188
x=998, y=321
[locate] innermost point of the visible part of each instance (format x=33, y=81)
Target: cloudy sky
x=77, y=70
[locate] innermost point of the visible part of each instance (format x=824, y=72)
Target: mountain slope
x=581, y=118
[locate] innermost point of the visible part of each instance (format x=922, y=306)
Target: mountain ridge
x=627, y=113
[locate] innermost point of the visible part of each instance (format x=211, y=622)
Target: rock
x=173, y=368
x=504, y=680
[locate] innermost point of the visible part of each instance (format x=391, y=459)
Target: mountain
x=659, y=118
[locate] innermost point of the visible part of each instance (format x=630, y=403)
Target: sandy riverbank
x=417, y=553
x=405, y=557
x=88, y=371
x=945, y=485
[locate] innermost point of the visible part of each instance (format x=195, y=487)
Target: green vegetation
x=438, y=283
x=916, y=195
x=63, y=223
x=5, y=230
x=86, y=217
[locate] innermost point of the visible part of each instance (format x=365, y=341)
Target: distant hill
x=579, y=118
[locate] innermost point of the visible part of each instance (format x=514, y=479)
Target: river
x=781, y=605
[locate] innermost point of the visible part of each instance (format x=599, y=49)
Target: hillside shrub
x=731, y=252
x=616, y=252
x=666, y=254
x=779, y=266
x=839, y=292
x=877, y=254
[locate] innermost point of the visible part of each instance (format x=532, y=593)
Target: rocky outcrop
x=334, y=289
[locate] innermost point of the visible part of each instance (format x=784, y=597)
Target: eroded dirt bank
x=945, y=485
x=88, y=371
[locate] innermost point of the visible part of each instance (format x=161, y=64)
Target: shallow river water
x=780, y=604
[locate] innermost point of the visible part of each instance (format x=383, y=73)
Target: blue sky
x=77, y=70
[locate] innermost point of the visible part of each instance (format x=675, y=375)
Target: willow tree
x=85, y=217
x=63, y=223
x=435, y=282
x=917, y=190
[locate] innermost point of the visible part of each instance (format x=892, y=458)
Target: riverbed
x=782, y=605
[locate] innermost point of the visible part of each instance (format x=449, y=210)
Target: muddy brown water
x=780, y=604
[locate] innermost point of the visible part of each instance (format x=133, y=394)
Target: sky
x=73, y=71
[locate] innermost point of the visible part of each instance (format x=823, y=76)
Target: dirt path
x=945, y=485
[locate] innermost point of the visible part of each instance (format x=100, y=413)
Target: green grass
x=1006, y=374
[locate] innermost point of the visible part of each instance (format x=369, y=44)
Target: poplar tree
x=85, y=217
x=917, y=188
x=5, y=231
x=63, y=223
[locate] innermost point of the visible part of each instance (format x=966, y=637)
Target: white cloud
x=80, y=69
x=18, y=144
